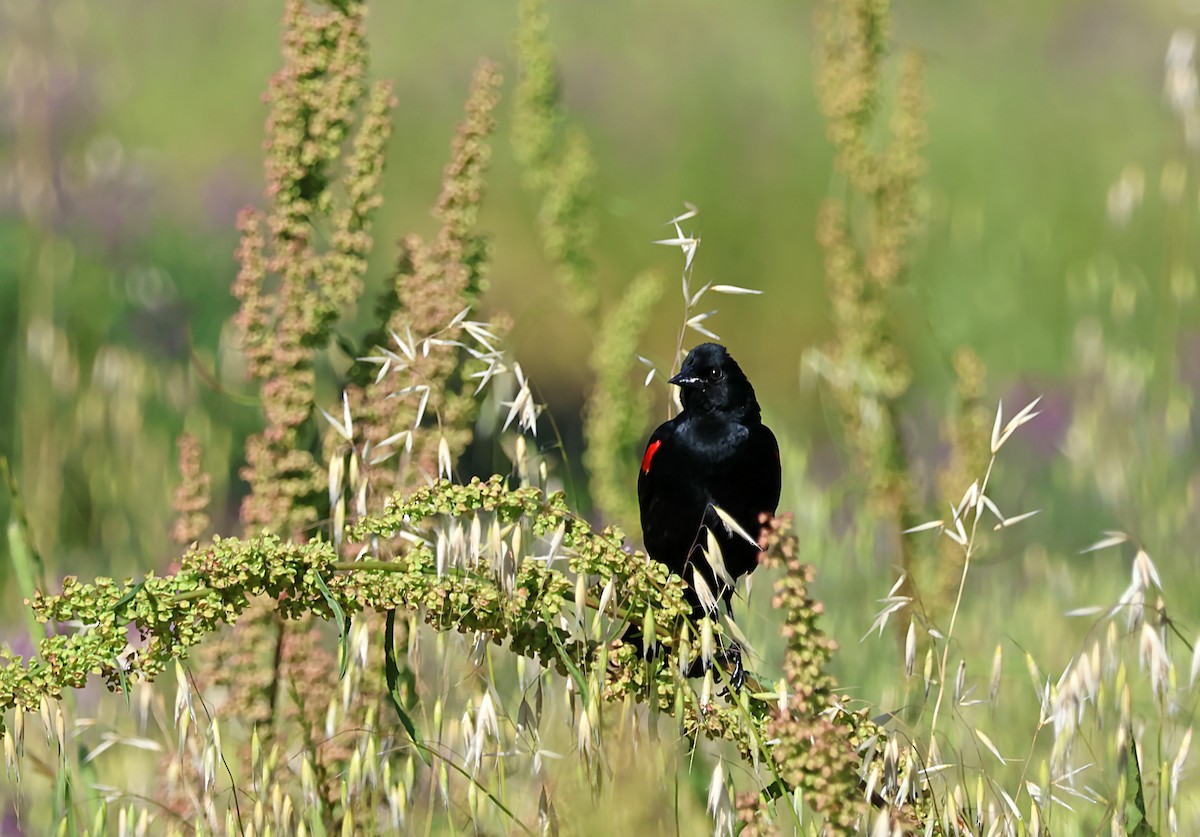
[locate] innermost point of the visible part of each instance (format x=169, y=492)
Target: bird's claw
x=732, y=669
x=735, y=672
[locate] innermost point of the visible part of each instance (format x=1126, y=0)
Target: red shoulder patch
x=650, y=451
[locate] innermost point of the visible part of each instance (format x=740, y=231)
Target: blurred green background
x=130, y=137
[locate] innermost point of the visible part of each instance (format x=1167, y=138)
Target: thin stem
x=962, y=583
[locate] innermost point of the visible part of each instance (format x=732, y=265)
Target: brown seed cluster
x=322, y=185
x=813, y=751
x=434, y=281
x=193, y=495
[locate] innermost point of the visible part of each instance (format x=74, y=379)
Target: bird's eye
x=712, y=374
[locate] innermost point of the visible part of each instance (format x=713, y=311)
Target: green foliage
x=28, y=568
x=456, y=589
x=615, y=420
x=499, y=610
x=557, y=162
x=557, y=165
x=864, y=234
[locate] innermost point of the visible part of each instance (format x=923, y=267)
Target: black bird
x=717, y=453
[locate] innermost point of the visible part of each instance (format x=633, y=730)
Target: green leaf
x=23, y=566
x=129, y=596
x=576, y=674
x=1136, y=823
x=123, y=680
x=392, y=673
x=345, y=646
x=27, y=564
x=343, y=623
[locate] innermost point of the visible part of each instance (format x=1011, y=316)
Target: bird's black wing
x=770, y=482
x=749, y=486
x=670, y=498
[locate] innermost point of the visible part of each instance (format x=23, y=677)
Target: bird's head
x=712, y=382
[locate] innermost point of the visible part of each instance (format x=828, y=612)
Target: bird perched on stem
x=707, y=478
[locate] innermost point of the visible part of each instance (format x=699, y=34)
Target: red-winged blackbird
x=716, y=453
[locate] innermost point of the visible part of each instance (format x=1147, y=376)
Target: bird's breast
x=715, y=444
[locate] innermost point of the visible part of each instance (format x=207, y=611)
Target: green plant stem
x=962, y=583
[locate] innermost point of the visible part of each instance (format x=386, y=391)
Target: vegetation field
x=332, y=334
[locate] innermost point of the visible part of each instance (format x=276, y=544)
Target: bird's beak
x=685, y=381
